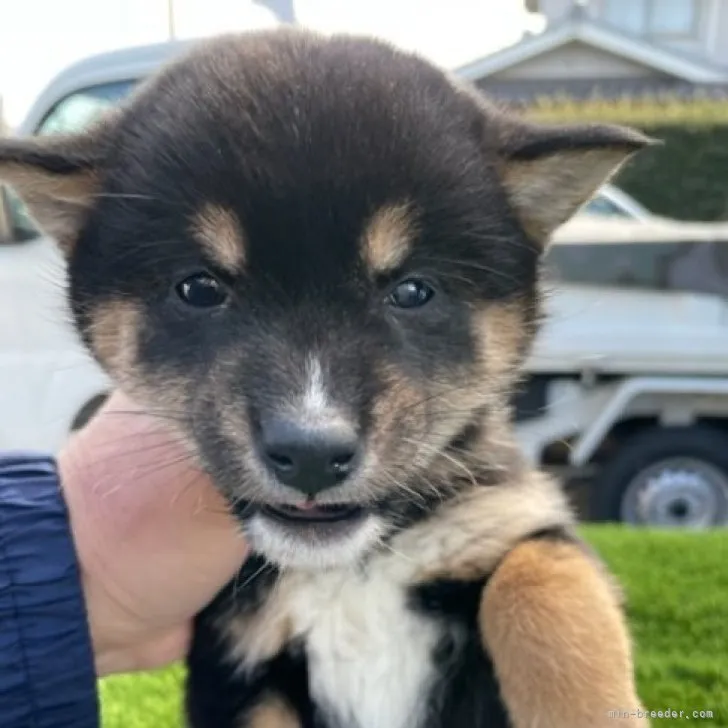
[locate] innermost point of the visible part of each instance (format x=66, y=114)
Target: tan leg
x=553, y=626
x=271, y=713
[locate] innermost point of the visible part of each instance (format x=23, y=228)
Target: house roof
x=578, y=27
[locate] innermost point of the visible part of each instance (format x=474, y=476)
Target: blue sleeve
x=47, y=677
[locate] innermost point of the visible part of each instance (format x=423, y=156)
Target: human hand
x=154, y=539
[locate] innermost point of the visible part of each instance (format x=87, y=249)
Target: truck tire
x=86, y=412
x=666, y=477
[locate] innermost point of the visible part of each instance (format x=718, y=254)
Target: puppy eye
x=201, y=290
x=411, y=293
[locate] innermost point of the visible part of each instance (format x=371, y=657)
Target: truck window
x=69, y=115
x=600, y=205
x=81, y=108
x=694, y=267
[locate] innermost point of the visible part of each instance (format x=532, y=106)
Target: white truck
x=626, y=389
x=628, y=380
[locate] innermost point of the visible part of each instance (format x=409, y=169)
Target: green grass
x=151, y=700
x=677, y=602
x=677, y=598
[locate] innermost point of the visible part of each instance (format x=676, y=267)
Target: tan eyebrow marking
x=221, y=234
x=388, y=237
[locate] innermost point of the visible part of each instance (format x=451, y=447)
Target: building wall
x=707, y=42
x=575, y=60
x=718, y=32
x=527, y=91
x=555, y=10
x=710, y=43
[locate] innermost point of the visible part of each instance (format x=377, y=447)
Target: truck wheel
x=674, y=477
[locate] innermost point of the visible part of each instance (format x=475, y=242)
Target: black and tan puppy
x=319, y=257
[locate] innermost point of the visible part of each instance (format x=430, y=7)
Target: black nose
x=309, y=459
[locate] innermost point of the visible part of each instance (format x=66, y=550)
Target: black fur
x=216, y=696
x=466, y=694
x=302, y=140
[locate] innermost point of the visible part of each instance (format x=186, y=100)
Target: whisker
x=409, y=491
x=385, y=544
x=450, y=458
x=250, y=579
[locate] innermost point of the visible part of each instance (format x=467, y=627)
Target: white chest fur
x=370, y=657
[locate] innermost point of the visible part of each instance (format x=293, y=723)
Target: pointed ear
x=56, y=177
x=549, y=172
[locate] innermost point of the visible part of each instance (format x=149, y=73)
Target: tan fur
x=220, y=233
x=547, y=191
x=388, y=237
x=466, y=539
x=397, y=407
x=450, y=405
x=234, y=428
x=273, y=713
x=254, y=639
x=58, y=203
x=552, y=623
x=114, y=330
x=499, y=330
x=503, y=338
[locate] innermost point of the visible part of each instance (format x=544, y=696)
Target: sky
x=38, y=38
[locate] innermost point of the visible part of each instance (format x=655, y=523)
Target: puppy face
x=319, y=257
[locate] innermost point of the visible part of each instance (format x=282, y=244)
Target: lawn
x=677, y=592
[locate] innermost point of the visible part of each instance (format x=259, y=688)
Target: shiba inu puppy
x=319, y=257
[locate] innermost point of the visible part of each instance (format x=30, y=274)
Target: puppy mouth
x=312, y=514
x=311, y=535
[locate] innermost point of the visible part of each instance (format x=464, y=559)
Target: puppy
x=318, y=257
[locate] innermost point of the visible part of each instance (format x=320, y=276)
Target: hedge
x=687, y=176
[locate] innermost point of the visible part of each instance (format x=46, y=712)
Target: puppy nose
x=309, y=459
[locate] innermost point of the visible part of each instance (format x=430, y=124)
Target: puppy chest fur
x=392, y=642
x=369, y=654
x=372, y=647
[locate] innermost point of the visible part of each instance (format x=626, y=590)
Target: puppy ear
x=549, y=172
x=56, y=177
